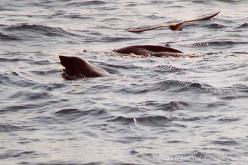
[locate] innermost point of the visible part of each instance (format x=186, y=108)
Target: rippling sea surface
x=150, y=110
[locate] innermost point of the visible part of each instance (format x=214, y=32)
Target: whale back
x=145, y=49
x=156, y=48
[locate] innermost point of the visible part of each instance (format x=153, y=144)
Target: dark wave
x=245, y=25
x=233, y=97
x=5, y=37
x=15, y=108
x=218, y=43
x=215, y=26
x=226, y=142
x=9, y=128
x=230, y=1
x=228, y=119
x=77, y=113
x=17, y=79
x=17, y=154
x=171, y=106
x=216, y=104
x=172, y=85
x=118, y=39
x=77, y=16
x=184, y=119
x=86, y=3
x=36, y=95
x=13, y=59
x=42, y=29
x=167, y=84
x=226, y=43
x=67, y=111
x=44, y=72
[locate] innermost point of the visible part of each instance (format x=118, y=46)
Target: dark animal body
x=150, y=50
x=76, y=67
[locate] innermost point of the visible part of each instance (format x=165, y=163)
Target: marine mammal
x=76, y=67
x=150, y=50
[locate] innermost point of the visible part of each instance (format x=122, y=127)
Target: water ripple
x=86, y=3
x=245, y=25
x=45, y=30
x=144, y=120
x=17, y=154
x=4, y=37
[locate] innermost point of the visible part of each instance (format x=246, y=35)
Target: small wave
x=197, y=118
x=225, y=43
x=144, y=120
x=245, y=25
x=77, y=16
x=216, y=104
x=17, y=79
x=5, y=37
x=44, y=72
x=67, y=111
x=37, y=95
x=217, y=43
x=86, y=3
x=131, y=4
x=76, y=113
x=16, y=108
x=31, y=95
x=45, y=30
x=200, y=1
x=167, y=84
x=229, y=1
x=118, y=39
x=16, y=154
x=11, y=59
x=123, y=66
x=196, y=86
x=173, y=85
x=9, y=128
x=167, y=68
x=228, y=119
x=176, y=141
x=215, y=26
x=180, y=85
x=172, y=106
x=226, y=142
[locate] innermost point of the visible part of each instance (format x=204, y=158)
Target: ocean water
x=150, y=110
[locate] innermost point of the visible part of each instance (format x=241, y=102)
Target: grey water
x=150, y=110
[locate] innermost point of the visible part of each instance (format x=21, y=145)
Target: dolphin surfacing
x=76, y=67
x=150, y=50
